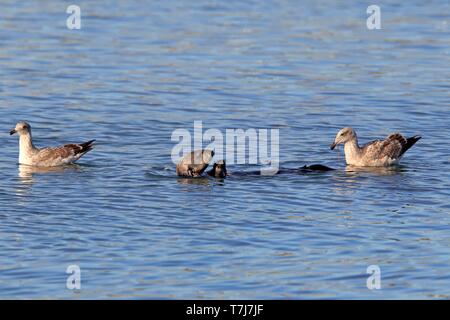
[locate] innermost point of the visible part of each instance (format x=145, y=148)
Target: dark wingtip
x=410, y=142
x=88, y=144
x=413, y=140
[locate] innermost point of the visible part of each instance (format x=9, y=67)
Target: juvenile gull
x=194, y=163
x=47, y=157
x=378, y=153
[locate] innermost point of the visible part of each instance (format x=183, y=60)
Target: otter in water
x=302, y=170
x=315, y=167
x=219, y=169
x=194, y=163
x=306, y=169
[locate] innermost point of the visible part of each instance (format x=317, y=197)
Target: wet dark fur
x=303, y=170
x=219, y=170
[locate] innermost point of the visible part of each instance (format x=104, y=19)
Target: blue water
x=137, y=70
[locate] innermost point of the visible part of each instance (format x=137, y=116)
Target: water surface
x=137, y=70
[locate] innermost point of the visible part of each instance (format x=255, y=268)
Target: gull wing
x=392, y=147
x=62, y=155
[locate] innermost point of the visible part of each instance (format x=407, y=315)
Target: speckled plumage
x=378, y=153
x=47, y=157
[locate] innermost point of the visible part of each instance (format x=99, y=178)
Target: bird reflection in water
x=379, y=171
x=348, y=181
x=27, y=173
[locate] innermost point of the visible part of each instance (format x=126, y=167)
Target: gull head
x=343, y=136
x=21, y=128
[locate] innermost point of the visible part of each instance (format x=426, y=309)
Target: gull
x=194, y=163
x=47, y=157
x=378, y=153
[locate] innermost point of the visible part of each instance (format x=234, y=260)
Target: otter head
x=21, y=128
x=219, y=169
x=343, y=136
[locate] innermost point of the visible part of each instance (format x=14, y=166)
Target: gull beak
x=12, y=132
x=333, y=145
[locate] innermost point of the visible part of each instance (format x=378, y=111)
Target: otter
x=194, y=163
x=305, y=169
x=219, y=169
x=315, y=167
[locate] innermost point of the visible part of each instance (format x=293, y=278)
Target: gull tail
x=85, y=147
x=410, y=142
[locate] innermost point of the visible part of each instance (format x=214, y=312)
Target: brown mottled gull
x=47, y=157
x=194, y=163
x=378, y=153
